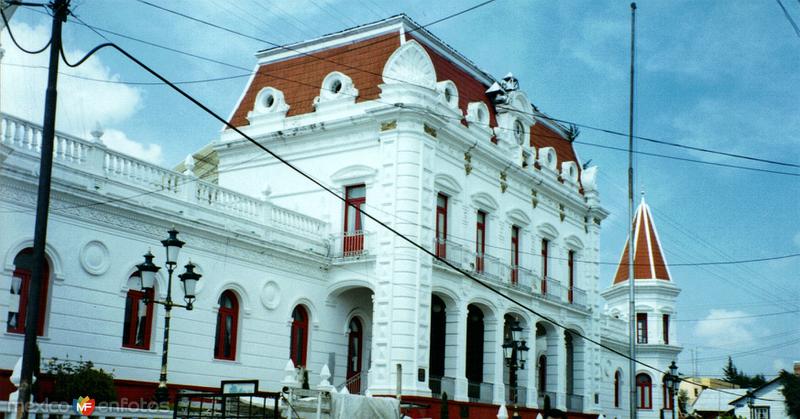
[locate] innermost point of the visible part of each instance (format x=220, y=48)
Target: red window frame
x=441, y=225
x=571, y=274
x=480, y=240
x=299, y=338
x=353, y=228
x=514, y=255
x=25, y=274
x=641, y=327
x=616, y=388
x=665, y=328
x=133, y=302
x=644, y=391
x=225, y=328
x=545, y=251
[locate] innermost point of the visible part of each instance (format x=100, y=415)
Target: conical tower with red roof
x=655, y=302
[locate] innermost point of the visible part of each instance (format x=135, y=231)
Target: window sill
x=21, y=336
x=137, y=350
x=226, y=361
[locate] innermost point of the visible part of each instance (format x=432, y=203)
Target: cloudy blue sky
x=720, y=75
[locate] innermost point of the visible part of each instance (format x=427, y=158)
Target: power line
x=733, y=166
x=738, y=317
x=653, y=140
x=130, y=83
x=789, y=18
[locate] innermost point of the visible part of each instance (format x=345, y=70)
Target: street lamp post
x=672, y=382
x=515, y=351
x=146, y=278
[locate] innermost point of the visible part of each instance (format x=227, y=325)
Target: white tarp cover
x=352, y=406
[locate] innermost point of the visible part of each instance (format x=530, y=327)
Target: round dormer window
x=336, y=86
x=269, y=100
x=519, y=132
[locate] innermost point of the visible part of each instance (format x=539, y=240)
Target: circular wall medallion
x=270, y=295
x=94, y=257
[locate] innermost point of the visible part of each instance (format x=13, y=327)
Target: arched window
x=227, y=326
x=138, y=321
x=617, y=388
x=20, y=284
x=644, y=391
x=299, y=342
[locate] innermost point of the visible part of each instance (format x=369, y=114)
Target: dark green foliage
x=73, y=379
x=791, y=392
x=683, y=400
x=734, y=376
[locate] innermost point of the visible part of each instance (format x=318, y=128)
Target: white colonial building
x=406, y=129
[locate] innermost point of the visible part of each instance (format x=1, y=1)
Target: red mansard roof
x=648, y=261
x=300, y=79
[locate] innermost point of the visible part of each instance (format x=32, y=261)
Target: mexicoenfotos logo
x=84, y=405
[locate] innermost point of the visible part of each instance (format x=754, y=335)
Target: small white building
x=768, y=402
x=400, y=125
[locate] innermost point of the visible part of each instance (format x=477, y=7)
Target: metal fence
x=201, y=405
x=65, y=410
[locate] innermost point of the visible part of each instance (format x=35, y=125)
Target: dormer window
x=519, y=132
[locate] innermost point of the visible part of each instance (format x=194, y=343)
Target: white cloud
x=117, y=140
x=81, y=103
x=726, y=329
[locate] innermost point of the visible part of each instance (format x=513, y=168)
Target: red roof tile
x=648, y=260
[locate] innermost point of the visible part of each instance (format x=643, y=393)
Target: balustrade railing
x=480, y=392
x=488, y=266
x=357, y=384
x=574, y=403
x=79, y=154
x=518, y=277
x=548, y=396
x=551, y=289
x=349, y=246
x=451, y=252
x=516, y=395
x=441, y=385
x=579, y=297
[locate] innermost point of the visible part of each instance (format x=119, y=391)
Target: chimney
x=797, y=368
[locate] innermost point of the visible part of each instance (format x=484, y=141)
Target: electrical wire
x=130, y=83
x=789, y=18
x=13, y=39
x=751, y=316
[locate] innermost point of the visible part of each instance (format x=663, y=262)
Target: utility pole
x=60, y=9
x=631, y=239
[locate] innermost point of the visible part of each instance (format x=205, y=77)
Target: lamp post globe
x=147, y=272
x=189, y=280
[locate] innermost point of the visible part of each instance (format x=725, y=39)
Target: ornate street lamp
x=514, y=352
x=672, y=383
x=146, y=277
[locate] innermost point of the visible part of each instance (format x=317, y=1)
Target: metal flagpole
x=631, y=239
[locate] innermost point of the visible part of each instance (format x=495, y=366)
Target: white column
x=493, y=351
x=560, y=370
x=531, y=366
x=459, y=327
